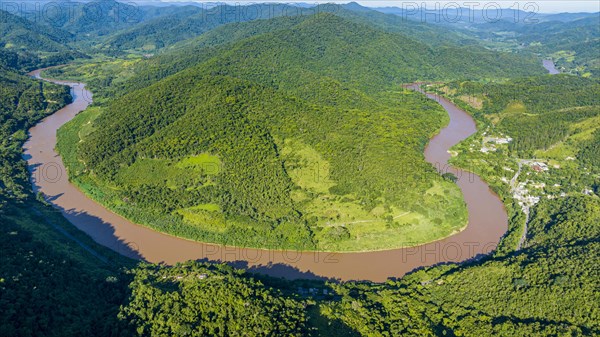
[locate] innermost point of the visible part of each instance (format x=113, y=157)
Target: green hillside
x=311, y=152
x=230, y=302
x=20, y=34
x=427, y=33
x=25, y=45
x=292, y=193
x=573, y=45
x=540, y=113
x=50, y=284
x=88, y=21
x=395, y=57
x=190, y=22
x=571, y=41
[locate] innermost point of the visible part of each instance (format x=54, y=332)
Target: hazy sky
x=545, y=6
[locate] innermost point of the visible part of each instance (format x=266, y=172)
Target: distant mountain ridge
x=191, y=22
x=26, y=45
x=412, y=57
x=20, y=34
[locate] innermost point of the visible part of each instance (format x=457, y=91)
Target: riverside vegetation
x=52, y=285
x=554, y=139
x=324, y=156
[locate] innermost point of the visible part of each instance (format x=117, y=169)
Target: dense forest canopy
x=310, y=93
x=27, y=45
x=299, y=104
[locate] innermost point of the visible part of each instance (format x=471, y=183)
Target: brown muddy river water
x=487, y=217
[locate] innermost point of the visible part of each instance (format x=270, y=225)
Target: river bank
x=487, y=218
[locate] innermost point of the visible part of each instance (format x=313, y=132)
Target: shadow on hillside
x=97, y=229
x=280, y=270
x=103, y=233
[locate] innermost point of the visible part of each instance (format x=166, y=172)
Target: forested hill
x=93, y=19
x=89, y=22
x=540, y=113
x=167, y=29
x=326, y=46
x=573, y=45
x=25, y=45
x=294, y=94
x=20, y=34
x=375, y=57
x=423, y=32
x=190, y=22
x=298, y=88
x=572, y=41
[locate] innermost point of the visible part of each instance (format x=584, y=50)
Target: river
x=486, y=225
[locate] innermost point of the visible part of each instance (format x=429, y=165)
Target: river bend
x=486, y=225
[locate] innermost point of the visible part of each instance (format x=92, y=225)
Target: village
x=529, y=191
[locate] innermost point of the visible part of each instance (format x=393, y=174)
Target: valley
x=204, y=169
x=135, y=241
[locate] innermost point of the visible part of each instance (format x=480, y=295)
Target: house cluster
x=524, y=199
x=313, y=291
x=538, y=166
x=490, y=144
x=180, y=277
